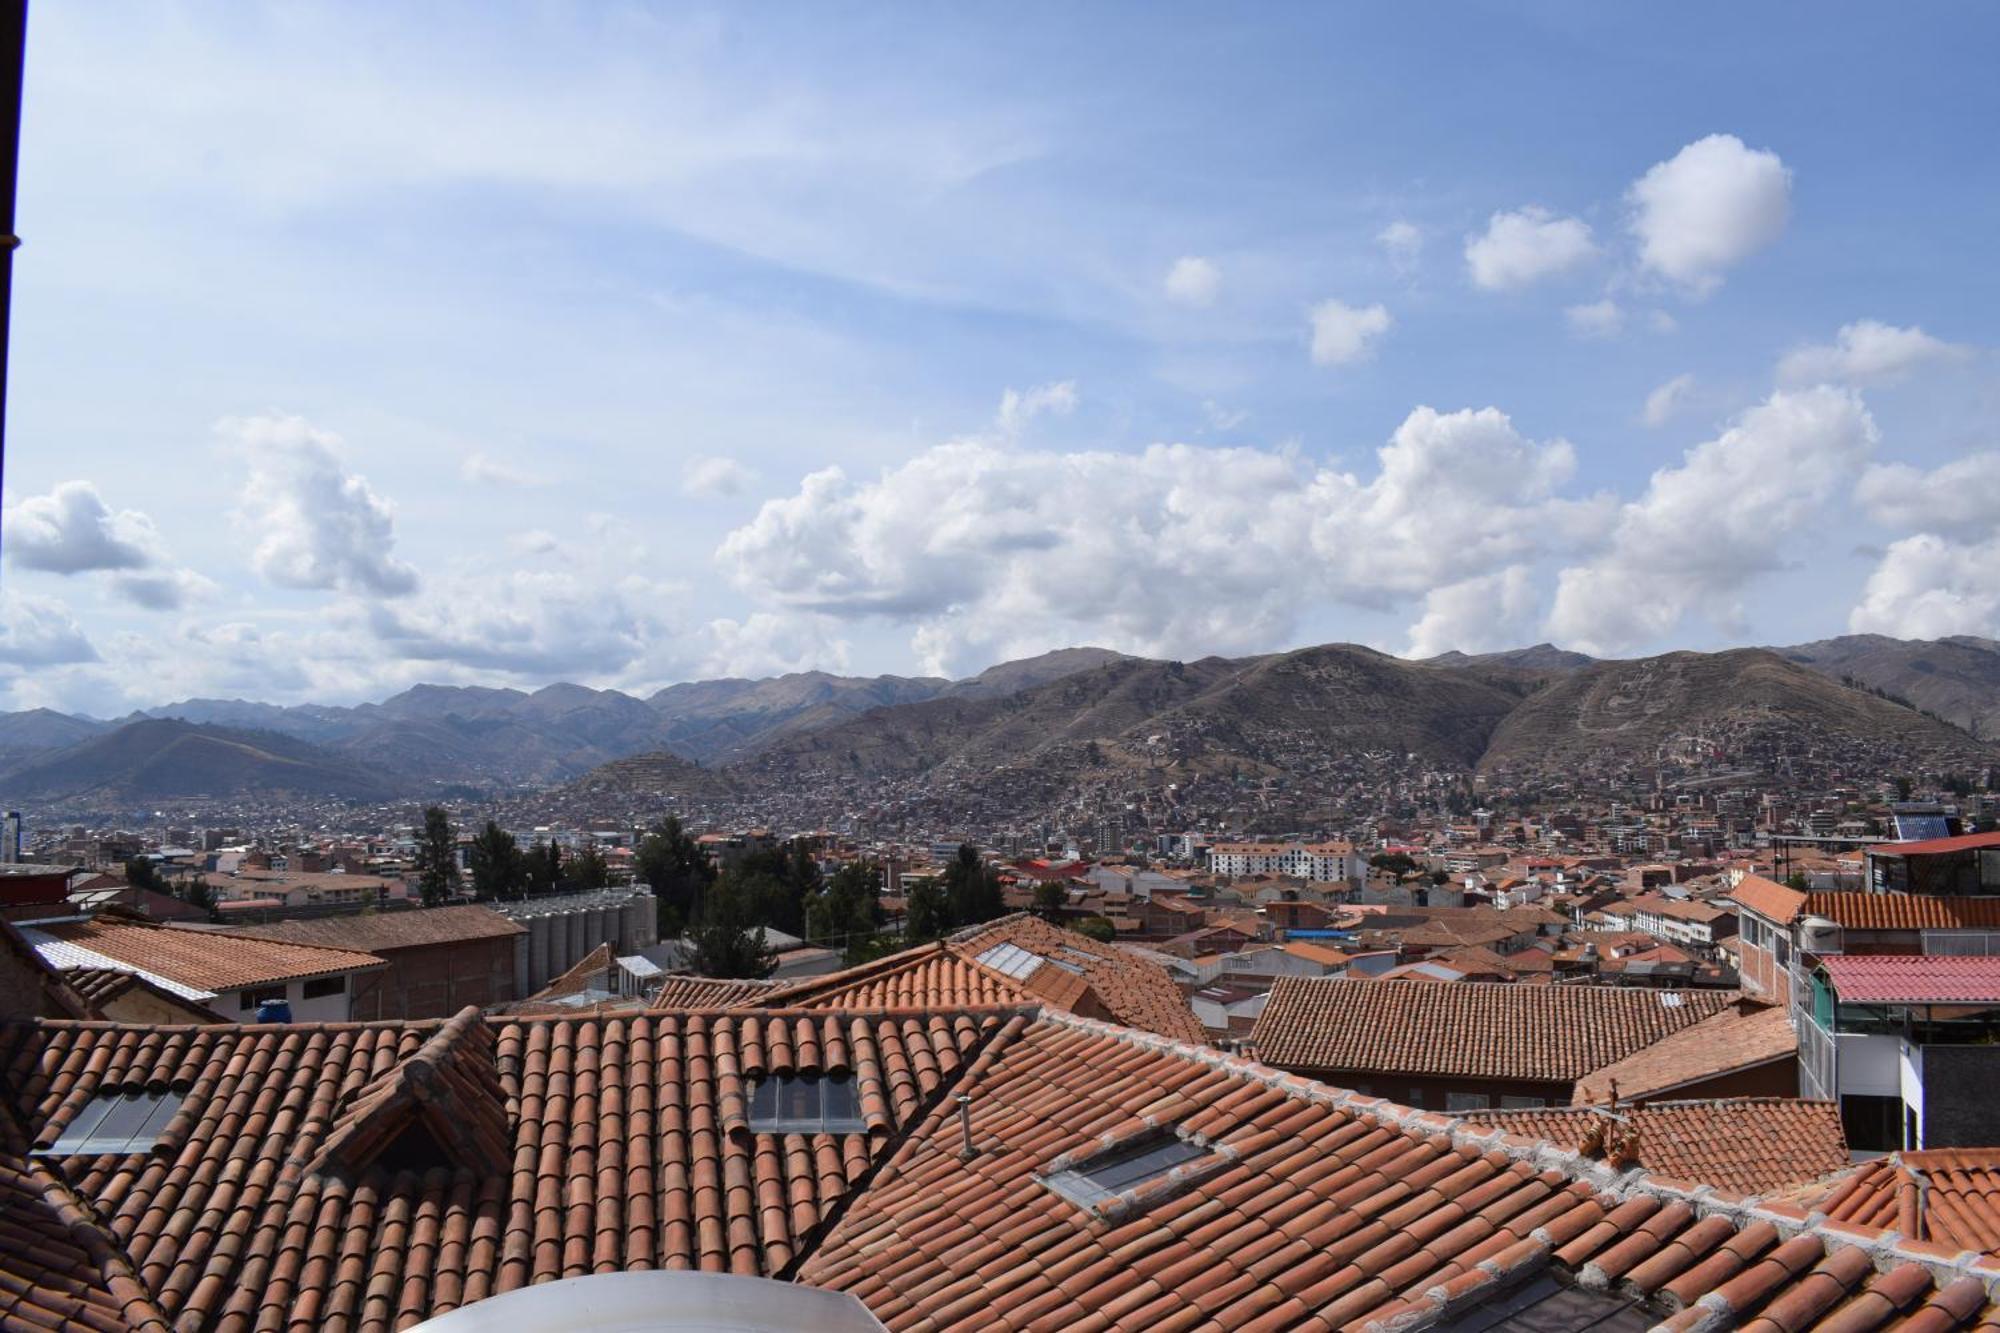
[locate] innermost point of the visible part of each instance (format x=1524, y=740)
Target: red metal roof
x=1914, y=978
x=1966, y=842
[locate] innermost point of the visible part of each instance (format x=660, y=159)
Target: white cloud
x=1669, y=398
x=72, y=531
x=1703, y=529
x=39, y=632
x=1868, y=352
x=1662, y=322
x=710, y=478
x=1223, y=418
x=544, y=625
x=315, y=524
x=1342, y=333
x=1476, y=615
x=480, y=468
x=535, y=541
x=1959, y=498
x=767, y=644
x=1176, y=549
x=1403, y=243
x=1522, y=248
x=1707, y=208
x=1927, y=587
x=1018, y=407
x=1599, y=319
x=1194, y=281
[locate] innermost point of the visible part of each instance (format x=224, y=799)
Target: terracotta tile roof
x=373, y=932
x=585, y=974
x=931, y=976
x=1914, y=978
x=289, y=1189
x=1948, y=1196
x=708, y=993
x=1769, y=899
x=202, y=961
x=1469, y=1030
x=1315, y=1208
x=1750, y=1145
x=100, y=986
x=1131, y=988
x=1904, y=911
x=58, y=1269
x=1735, y=1038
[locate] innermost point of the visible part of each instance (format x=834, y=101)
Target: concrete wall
x=438, y=980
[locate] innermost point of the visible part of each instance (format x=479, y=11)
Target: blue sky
x=362, y=345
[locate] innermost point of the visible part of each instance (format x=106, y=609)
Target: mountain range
x=1046, y=724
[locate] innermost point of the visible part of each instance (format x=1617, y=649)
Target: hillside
x=1748, y=708
x=1956, y=678
x=161, y=757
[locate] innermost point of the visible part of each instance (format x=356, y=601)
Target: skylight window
x=1011, y=960
x=1123, y=1171
x=806, y=1104
x=117, y=1122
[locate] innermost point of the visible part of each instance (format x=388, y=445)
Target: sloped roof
x=627, y=1144
x=1769, y=899
x=1469, y=1030
x=449, y=1089
x=195, y=964
x=1736, y=1037
x=1904, y=911
x=100, y=986
x=372, y=932
x=927, y=977
x=1752, y=1145
x=1948, y=1196
x=1967, y=842
x=708, y=992
x=1132, y=988
x=59, y=1268
x=1914, y=978
x=1315, y=1208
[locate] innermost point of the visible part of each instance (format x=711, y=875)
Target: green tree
x=498, y=869
x=198, y=894
x=1050, y=899
x=671, y=863
x=1097, y=928
x=847, y=912
x=1903, y=788
x=972, y=889
x=588, y=868
x=541, y=868
x=926, y=910
x=141, y=872
x=728, y=938
x=437, y=857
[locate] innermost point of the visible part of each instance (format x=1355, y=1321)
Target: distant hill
x=40, y=730
x=164, y=757
x=724, y=719
x=1749, y=706
x=1956, y=678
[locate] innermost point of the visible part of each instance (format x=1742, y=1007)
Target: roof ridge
x=136, y=1305
x=450, y=1085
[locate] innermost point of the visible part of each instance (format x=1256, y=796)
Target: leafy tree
x=1097, y=928
x=1399, y=863
x=498, y=869
x=847, y=912
x=1050, y=899
x=926, y=910
x=728, y=939
x=588, y=868
x=199, y=894
x=1797, y=881
x=541, y=868
x=1903, y=788
x=142, y=873
x=672, y=864
x=972, y=889
x=437, y=857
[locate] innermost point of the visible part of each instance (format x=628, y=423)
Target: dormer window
x=116, y=1123
x=806, y=1104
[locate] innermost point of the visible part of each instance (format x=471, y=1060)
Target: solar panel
x=1011, y=960
x=117, y=1122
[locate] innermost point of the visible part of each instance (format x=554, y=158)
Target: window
x=1873, y=1124
x=117, y=1122
x=1010, y=960
x=250, y=999
x=321, y=987
x=1123, y=1170
x=806, y=1103
x=1466, y=1101
x=1522, y=1103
